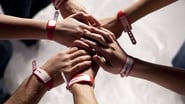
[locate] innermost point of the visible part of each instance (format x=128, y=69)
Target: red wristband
x=127, y=67
x=122, y=17
x=80, y=78
x=42, y=75
x=51, y=24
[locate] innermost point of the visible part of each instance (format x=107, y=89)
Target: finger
x=77, y=54
x=81, y=17
x=86, y=18
x=80, y=67
x=71, y=50
x=80, y=59
x=98, y=59
x=98, y=48
x=96, y=37
x=111, y=36
x=93, y=21
x=82, y=45
x=104, y=33
x=92, y=44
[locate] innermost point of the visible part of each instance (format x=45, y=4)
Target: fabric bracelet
x=122, y=17
x=42, y=75
x=127, y=67
x=79, y=79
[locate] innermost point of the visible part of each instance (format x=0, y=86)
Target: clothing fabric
x=5, y=55
x=179, y=59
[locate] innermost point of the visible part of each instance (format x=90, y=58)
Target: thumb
x=100, y=61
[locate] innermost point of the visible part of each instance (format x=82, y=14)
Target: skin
x=168, y=77
x=66, y=31
x=135, y=11
x=72, y=61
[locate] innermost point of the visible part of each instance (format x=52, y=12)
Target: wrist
x=38, y=84
x=42, y=75
x=77, y=88
x=86, y=92
x=112, y=24
x=50, y=28
x=127, y=66
x=81, y=79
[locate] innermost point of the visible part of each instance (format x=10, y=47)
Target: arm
x=29, y=92
x=20, y=28
x=168, y=77
x=32, y=89
x=135, y=11
x=66, y=31
x=83, y=94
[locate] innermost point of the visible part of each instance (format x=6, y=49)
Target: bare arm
x=29, y=92
x=20, y=28
x=32, y=89
x=143, y=7
x=168, y=77
x=66, y=30
x=83, y=94
x=135, y=11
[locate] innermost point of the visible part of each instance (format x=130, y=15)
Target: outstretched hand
x=72, y=27
x=109, y=54
x=70, y=61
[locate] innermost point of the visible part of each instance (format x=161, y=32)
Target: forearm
x=143, y=7
x=137, y=10
x=83, y=93
x=30, y=92
x=168, y=77
x=19, y=28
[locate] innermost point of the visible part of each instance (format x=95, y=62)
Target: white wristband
x=126, y=25
x=127, y=67
x=80, y=78
x=42, y=75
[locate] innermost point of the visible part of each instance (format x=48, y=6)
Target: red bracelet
x=80, y=78
x=57, y=3
x=127, y=67
x=121, y=16
x=51, y=24
x=42, y=75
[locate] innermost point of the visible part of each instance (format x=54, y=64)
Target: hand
x=71, y=7
x=71, y=61
x=113, y=25
x=109, y=53
x=71, y=29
